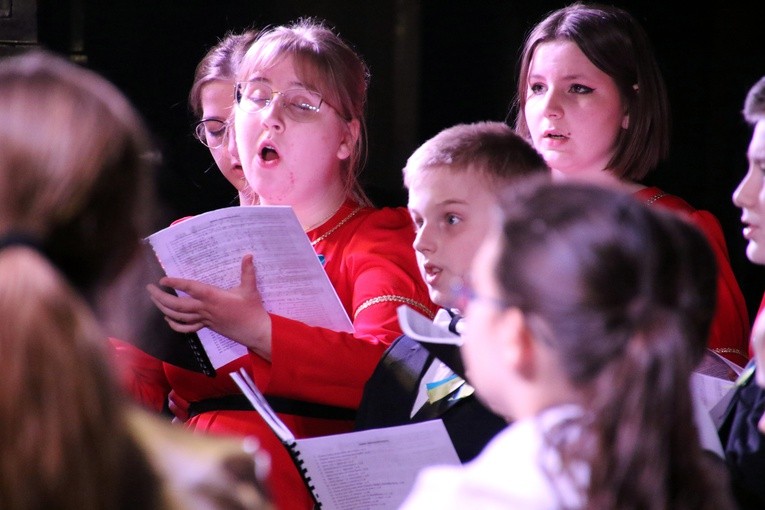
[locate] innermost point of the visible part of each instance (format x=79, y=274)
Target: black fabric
x=279, y=404
x=391, y=391
x=744, y=445
x=453, y=323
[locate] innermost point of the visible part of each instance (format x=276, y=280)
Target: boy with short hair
x=453, y=181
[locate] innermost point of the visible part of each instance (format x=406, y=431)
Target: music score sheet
x=371, y=469
x=209, y=248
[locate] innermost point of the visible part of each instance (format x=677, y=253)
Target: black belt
x=279, y=404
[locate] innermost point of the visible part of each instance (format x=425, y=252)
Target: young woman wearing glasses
x=211, y=100
x=160, y=386
x=300, y=130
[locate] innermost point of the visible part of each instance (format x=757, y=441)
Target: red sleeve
x=376, y=274
x=141, y=375
x=729, y=333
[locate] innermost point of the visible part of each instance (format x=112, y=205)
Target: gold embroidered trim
x=655, y=197
x=333, y=229
x=730, y=350
x=399, y=299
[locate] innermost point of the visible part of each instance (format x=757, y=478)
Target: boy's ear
x=349, y=140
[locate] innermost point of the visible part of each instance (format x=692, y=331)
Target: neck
x=603, y=178
x=318, y=213
x=246, y=198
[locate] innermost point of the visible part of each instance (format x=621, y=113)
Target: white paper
x=261, y=405
x=370, y=469
x=709, y=390
x=374, y=469
x=292, y=282
x=420, y=328
x=714, y=379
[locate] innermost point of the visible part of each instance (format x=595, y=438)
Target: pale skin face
x=217, y=100
x=574, y=112
x=294, y=163
x=750, y=198
x=451, y=211
x=485, y=348
x=514, y=374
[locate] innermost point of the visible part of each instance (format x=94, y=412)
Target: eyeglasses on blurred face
x=462, y=294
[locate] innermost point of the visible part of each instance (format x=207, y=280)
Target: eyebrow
x=451, y=201
x=291, y=85
x=568, y=77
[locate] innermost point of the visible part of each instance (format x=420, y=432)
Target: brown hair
x=75, y=169
x=219, y=63
x=75, y=200
x=613, y=40
x=624, y=293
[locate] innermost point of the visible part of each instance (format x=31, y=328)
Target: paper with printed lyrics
x=370, y=469
x=291, y=280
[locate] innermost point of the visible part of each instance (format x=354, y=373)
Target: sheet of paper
x=209, y=248
x=709, y=390
x=261, y=405
x=422, y=329
x=374, y=469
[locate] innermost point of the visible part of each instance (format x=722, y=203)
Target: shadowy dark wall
x=468, y=53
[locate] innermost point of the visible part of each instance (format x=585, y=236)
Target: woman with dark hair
x=592, y=100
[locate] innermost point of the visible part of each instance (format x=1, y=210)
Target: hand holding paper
x=204, y=258
x=237, y=313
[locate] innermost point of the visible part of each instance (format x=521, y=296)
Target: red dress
x=370, y=261
x=729, y=334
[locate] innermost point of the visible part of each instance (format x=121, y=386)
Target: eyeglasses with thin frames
x=211, y=132
x=300, y=104
x=463, y=293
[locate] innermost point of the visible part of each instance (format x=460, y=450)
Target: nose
x=552, y=106
x=746, y=191
x=423, y=241
x=231, y=143
x=273, y=113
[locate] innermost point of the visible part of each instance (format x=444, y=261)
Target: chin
x=755, y=252
x=438, y=297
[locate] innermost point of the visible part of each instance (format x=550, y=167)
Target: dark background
x=433, y=63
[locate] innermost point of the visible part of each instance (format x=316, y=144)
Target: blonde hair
x=488, y=149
